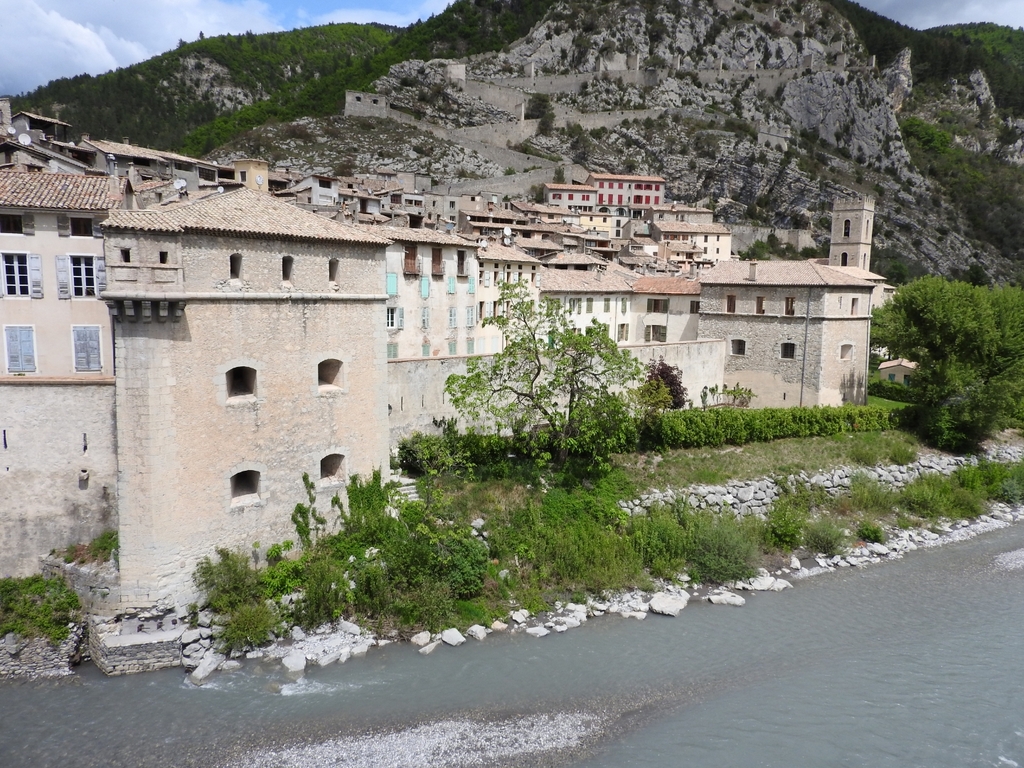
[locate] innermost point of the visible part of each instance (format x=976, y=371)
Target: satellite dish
x=220, y=189
x=180, y=184
x=11, y=130
x=24, y=139
x=259, y=180
x=449, y=226
x=506, y=232
x=506, y=241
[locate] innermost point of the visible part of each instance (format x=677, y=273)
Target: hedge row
x=736, y=426
x=890, y=390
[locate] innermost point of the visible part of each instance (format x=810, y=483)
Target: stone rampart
x=38, y=657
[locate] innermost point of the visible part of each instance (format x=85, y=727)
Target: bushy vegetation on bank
x=37, y=607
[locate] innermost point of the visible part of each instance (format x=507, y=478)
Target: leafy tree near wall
x=968, y=342
x=550, y=375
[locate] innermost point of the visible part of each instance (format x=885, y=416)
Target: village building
x=144, y=164
x=56, y=379
x=898, y=371
x=797, y=333
x=574, y=197
x=682, y=239
x=249, y=350
x=623, y=197
x=499, y=264
x=601, y=292
x=666, y=308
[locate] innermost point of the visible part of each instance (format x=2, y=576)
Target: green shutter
x=425, y=287
x=392, y=283
x=451, y=285
x=472, y=285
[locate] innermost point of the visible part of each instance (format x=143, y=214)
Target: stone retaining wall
x=38, y=657
x=124, y=654
x=755, y=497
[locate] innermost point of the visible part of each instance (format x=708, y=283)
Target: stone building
x=852, y=224
x=431, y=286
x=797, y=333
x=59, y=470
x=666, y=308
x=249, y=349
x=603, y=293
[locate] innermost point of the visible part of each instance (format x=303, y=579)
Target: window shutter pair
x=21, y=356
x=453, y=317
x=470, y=317
x=87, y=348
x=472, y=286
x=425, y=318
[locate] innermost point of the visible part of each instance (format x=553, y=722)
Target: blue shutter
x=392, y=283
x=451, y=285
x=472, y=285
x=425, y=287
x=21, y=357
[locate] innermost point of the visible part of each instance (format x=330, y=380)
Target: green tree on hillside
x=550, y=374
x=968, y=342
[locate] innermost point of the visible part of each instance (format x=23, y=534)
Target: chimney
x=753, y=271
x=124, y=140
x=85, y=137
x=693, y=270
x=5, y=113
x=111, y=165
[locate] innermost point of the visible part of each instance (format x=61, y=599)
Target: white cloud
x=47, y=39
x=415, y=12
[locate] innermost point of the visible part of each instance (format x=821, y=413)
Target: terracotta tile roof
x=678, y=208
x=685, y=227
x=62, y=191
x=571, y=187
x=667, y=285
x=495, y=251
x=431, y=236
x=244, y=213
x=34, y=116
x=131, y=150
x=802, y=273
x=611, y=279
x=897, y=362
x=572, y=259
x=45, y=152
x=864, y=274
x=554, y=210
x=625, y=177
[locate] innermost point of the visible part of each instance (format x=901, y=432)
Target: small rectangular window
x=126, y=255
x=760, y=305
x=460, y=257
x=235, y=266
x=624, y=308
x=425, y=350
x=87, y=347
x=411, y=262
x=470, y=317
x=163, y=257
x=607, y=306
x=470, y=346
x=287, y=262
x=656, y=333
x=245, y=486
x=590, y=306
x=623, y=333
x=83, y=276
x=453, y=348
x=451, y=285
x=791, y=305
x=392, y=351
x=81, y=227
x=730, y=303
x=694, y=307
x=16, y=282
x=391, y=283
x=392, y=317
x=788, y=351
x=846, y=352
x=739, y=347
x=453, y=317
x=21, y=348
x=854, y=305
x=657, y=306
x=425, y=318
x=11, y=224
x=436, y=263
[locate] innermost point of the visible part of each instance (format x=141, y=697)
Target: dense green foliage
x=890, y=390
x=303, y=72
x=968, y=342
x=1006, y=43
x=37, y=607
x=940, y=54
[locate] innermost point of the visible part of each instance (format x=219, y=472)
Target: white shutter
x=28, y=224
x=101, y=274
x=63, y=225
x=401, y=317
x=425, y=318
x=453, y=317
x=87, y=348
x=487, y=279
x=13, y=340
x=35, y=275
x=63, y=278
x=470, y=317
x=21, y=357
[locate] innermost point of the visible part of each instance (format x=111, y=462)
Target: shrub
x=868, y=496
x=37, y=607
x=824, y=537
x=326, y=592
x=99, y=550
x=869, y=531
x=935, y=496
x=902, y=454
x=890, y=390
x=719, y=549
x=228, y=583
x=250, y=624
x=660, y=542
x=784, y=527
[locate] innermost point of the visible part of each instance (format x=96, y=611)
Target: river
x=918, y=662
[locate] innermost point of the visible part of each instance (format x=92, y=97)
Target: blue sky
x=46, y=39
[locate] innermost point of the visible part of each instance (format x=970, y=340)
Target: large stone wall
x=58, y=468
x=701, y=363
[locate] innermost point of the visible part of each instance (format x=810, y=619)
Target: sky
x=47, y=39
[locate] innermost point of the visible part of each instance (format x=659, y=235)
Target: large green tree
x=551, y=379
x=968, y=342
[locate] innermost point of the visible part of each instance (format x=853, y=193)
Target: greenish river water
x=918, y=662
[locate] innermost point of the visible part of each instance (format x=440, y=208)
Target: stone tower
x=852, y=222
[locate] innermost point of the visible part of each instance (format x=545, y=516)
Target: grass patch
x=889, y=405
x=824, y=536
x=101, y=549
x=37, y=607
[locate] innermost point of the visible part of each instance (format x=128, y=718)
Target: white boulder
x=499, y=626
x=209, y=663
x=420, y=638
x=537, y=631
x=477, y=632
x=452, y=637
x=295, y=662
x=430, y=647
x=520, y=616
x=724, y=597
x=667, y=605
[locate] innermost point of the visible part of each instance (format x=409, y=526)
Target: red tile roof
x=60, y=191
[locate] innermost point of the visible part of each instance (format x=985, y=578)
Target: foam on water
x=1010, y=561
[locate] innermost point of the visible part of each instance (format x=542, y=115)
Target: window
x=21, y=351
x=844, y=259
x=854, y=305
x=83, y=276
x=892, y=377
x=470, y=346
x=730, y=303
x=81, y=227
x=235, y=266
x=470, y=317
x=241, y=382
x=846, y=352
x=425, y=350
x=287, y=262
x=791, y=305
x=623, y=333
x=694, y=307
x=11, y=224
x=86, y=339
x=163, y=257
x=242, y=176
x=657, y=333
x=425, y=287
x=590, y=305
x=436, y=264
x=624, y=306
x=207, y=174
x=245, y=487
x=760, y=305
x=846, y=228
x=332, y=469
x=411, y=265
x=328, y=374
x=16, y=281
x=607, y=306
x=739, y=347
x=460, y=263
x=392, y=351
x=395, y=317
x=451, y=285
x=453, y=318
x=787, y=351
x=126, y=255
x=453, y=347
x=657, y=306
x=323, y=183
x=425, y=318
